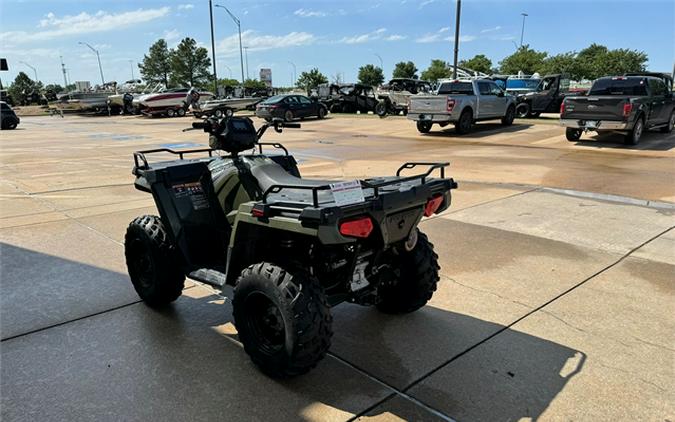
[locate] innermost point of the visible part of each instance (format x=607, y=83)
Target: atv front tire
x=417, y=281
x=152, y=261
x=282, y=318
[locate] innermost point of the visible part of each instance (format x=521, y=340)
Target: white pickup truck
x=462, y=102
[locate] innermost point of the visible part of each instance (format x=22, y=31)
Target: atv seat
x=271, y=174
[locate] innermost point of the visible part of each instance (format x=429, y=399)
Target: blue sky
x=335, y=36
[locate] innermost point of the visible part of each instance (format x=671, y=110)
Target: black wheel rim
x=265, y=322
x=141, y=266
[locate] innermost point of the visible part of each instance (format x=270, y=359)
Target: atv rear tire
x=152, y=261
x=282, y=318
x=417, y=282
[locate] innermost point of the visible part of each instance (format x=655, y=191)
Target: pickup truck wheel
x=424, y=127
x=507, y=120
x=671, y=122
x=282, y=318
x=152, y=261
x=633, y=137
x=572, y=134
x=381, y=109
x=463, y=126
x=523, y=110
x=416, y=283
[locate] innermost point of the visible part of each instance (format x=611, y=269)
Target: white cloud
x=305, y=13
x=364, y=38
x=426, y=3
x=437, y=36
x=395, y=37
x=257, y=42
x=171, y=35
x=186, y=6
x=84, y=23
x=496, y=28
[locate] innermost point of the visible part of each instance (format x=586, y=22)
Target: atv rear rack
x=366, y=185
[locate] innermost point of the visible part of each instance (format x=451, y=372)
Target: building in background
x=266, y=77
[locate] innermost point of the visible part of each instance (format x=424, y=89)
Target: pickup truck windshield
x=458, y=88
x=630, y=86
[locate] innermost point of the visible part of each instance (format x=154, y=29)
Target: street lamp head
x=524, y=14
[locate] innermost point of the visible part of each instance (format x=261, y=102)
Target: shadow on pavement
x=650, y=141
x=479, y=130
x=181, y=363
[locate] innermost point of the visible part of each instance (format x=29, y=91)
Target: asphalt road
x=556, y=298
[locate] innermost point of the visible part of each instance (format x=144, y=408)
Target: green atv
x=290, y=247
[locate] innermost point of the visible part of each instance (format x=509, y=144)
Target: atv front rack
x=364, y=184
x=140, y=156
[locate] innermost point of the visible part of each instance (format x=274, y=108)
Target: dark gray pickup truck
x=628, y=104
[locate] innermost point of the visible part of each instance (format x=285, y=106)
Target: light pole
x=295, y=72
x=131, y=65
x=241, y=52
x=34, y=70
x=522, y=31
x=213, y=51
x=459, y=12
x=98, y=57
x=246, y=55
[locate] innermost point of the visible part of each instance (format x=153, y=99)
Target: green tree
x=190, y=64
x=562, y=63
x=478, y=63
x=405, y=70
x=228, y=82
x=23, y=88
x=525, y=59
x=310, y=80
x=438, y=69
x=622, y=60
x=156, y=65
x=371, y=75
x=254, y=84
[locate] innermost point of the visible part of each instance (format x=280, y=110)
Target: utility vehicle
x=291, y=248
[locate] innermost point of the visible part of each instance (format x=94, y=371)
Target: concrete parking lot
x=556, y=299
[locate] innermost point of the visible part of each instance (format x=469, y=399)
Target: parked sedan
x=289, y=107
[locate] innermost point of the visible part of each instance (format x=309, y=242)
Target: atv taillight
x=627, y=108
x=451, y=105
x=432, y=205
x=358, y=227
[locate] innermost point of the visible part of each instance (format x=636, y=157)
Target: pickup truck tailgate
x=428, y=104
x=594, y=108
